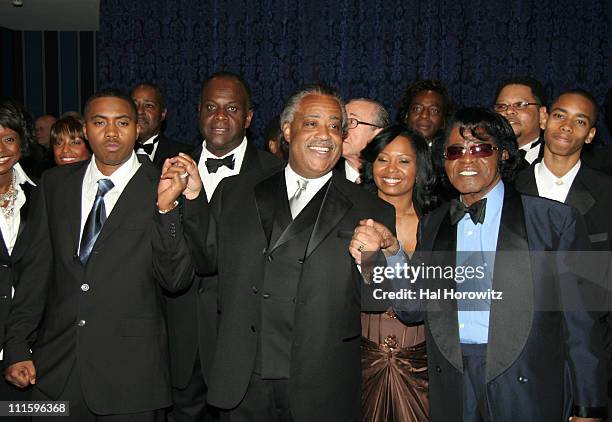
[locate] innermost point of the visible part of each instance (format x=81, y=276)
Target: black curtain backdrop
x=365, y=48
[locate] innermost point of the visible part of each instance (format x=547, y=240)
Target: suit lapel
x=527, y=182
x=579, y=196
x=266, y=199
x=442, y=314
x=73, y=198
x=510, y=318
x=136, y=193
x=23, y=217
x=335, y=206
x=250, y=161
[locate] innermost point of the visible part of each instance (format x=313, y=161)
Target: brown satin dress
x=394, y=370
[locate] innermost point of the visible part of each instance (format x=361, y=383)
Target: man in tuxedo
x=225, y=112
x=504, y=358
x=87, y=323
x=289, y=294
x=151, y=106
x=522, y=101
x=366, y=118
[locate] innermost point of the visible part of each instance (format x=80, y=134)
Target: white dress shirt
x=120, y=179
x=531, y=152
x=10, y=225
x=313, y=186
x=151, y=140
x=551, y=186
x=351, y=174
x=212, y=180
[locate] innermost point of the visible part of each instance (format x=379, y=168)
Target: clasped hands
x=180, y=175
x=370, y=236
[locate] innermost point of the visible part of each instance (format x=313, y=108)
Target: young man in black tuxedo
x=87, y=325
x=289, y=294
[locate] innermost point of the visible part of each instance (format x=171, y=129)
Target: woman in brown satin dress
x=397, y=167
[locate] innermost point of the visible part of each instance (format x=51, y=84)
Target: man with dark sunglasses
x=504, y=357
x=366, y=117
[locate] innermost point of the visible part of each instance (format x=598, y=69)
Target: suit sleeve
x=184, y=242
x=28, y=305
x=584, y=338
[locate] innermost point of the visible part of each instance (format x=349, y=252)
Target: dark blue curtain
x=365, y=48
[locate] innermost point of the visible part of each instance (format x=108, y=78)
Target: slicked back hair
x=536, y=87
x=294, y=100
x=382, y=118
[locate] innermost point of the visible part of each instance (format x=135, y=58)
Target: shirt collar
x=120, y=177
x=20, y=176
x=529, y=145
x=238, y=151
x=291, y=178
x=566, y=178
x=150, y=140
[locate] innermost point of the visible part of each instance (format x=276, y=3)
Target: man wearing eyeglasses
x=522, y=101
x=366, y=118
x=506, y=358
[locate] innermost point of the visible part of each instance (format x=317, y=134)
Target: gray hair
x=318, y=89
x=381, y=119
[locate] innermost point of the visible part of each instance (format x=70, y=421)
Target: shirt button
x=265, y=295
x=252, y=328
x=81, y=323
x=85, y=287
x=254, y=289
x=470, y=233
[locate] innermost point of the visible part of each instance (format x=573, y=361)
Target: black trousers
x=79, y=412
x=189, y=403
x=475, y=404
x=265, y=401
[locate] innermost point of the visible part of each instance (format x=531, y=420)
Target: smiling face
x=525, y=123
x=111, y=128
x=569, y=125
x=10, y=149
x=224, y=114
x=426, y=113
x=314, y=136
x=69, y=149
x=395, y=168
x=472, y=176
x=150, y=113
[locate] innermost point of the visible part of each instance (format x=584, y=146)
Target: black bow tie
x=148, y=148
x=213, y=164
x=477, y=211
x=534, y=144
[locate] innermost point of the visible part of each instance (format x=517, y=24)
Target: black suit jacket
x=192, y=315
x=590, y=194
x=106, y=318
x=325, y=374
x=12, y=265
x=528, y=349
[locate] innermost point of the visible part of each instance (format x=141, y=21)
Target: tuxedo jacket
x=590, y=194
x=12, y=265
x=325, y=372
x=167, y=148
x=103, y=320
x=192, y=315
x=529, y=350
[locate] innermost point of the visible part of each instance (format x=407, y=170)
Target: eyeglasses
x=519, y=105
x=353, y=123
x=455, y=152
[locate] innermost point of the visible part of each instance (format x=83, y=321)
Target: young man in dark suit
x=87, y=325
x=225, y=112
x=289, y=294
x=505, y=358
x=151, y=106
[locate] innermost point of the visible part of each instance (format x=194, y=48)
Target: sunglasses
x=455, y=152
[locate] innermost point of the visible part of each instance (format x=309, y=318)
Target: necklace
x=7, y=199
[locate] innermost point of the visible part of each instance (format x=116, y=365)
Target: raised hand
x=180, y=175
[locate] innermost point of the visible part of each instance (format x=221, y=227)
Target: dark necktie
x=148, y=148
x=95, y=220
x=477, y=211
x=213, y=164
